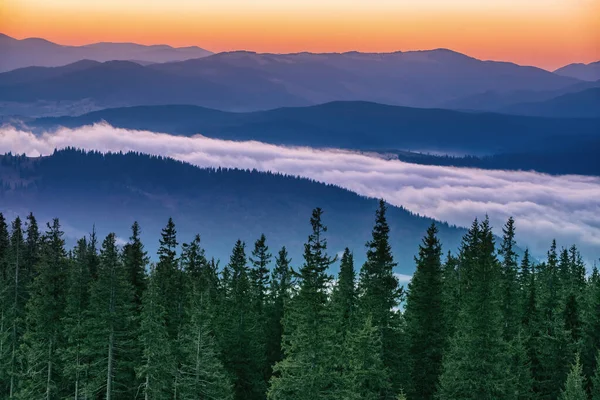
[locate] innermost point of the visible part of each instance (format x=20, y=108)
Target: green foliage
x=157, y=367
x=310, y=368
x=110, y=328
x=88, y=324
x=380, y=294
x=425, y=318
x=477, y=364
x=45, y=310
x=574, y=387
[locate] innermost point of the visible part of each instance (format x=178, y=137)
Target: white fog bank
x=545, y=207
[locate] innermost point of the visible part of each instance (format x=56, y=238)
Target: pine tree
x=74, y=321
x=135, y=260
x=380, y=292
x=574, y=388
x=45, y=310
x=476, y=365
x=425, y=318
x=310, y=368
x=158, y=363
x=111, y=329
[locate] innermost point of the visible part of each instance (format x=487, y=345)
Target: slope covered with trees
x=113, y=190
x=100, y=321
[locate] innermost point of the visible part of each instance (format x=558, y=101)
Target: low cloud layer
x=563, y=207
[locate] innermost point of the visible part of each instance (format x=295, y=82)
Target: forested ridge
x=110, y=191
x=103, y=321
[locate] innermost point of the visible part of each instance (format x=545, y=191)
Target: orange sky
x=546, y=33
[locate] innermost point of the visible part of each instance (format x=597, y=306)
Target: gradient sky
x=546, y=33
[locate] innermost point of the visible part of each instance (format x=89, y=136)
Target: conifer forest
x=107, y=320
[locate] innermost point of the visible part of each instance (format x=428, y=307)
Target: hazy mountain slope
x=39, y=52
x=112, y=191
x=259, y=81
x=125, y=82
x=497, y=101
x=581, y=104
x=585, y=72
x=356, y=125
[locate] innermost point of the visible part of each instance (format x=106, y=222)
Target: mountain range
x=40, y=52
x=585, y=72
x=246, y=81
x=110, y=192
x=356, y=125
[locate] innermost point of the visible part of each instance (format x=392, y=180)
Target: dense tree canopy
x=106, y=321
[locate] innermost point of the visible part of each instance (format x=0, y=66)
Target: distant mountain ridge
x=584, y=104
x=247, y=81
x=40, y=52
x=355, y=125
x=585, y=72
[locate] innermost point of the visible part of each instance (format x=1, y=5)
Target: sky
x=545, y=207
x=544, y=33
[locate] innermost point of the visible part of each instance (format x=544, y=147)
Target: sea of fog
x=545, y=207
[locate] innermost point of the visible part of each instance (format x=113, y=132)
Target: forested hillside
x=113, y=190
x=99, y=320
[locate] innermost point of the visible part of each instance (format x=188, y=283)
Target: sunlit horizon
x=547, y=34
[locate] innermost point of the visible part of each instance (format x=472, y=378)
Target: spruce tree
x=195, y=265
x=520, y=368
x=369, y=377
x=591, y=328
x=380, y=293
x=451, y=291
x=259, y=284
x=5, y=306
x=259, y=274
x=310, y=368
x=202, y=373
x=477, y=364
x=595, y=381
x=553, y=351
x=31, y=254
x=135, y=260
x=425, y=318
x=243, y=356
x=15, y=293
x=157, y=368
x=344, y=296
x=111, y=333
x=45, y=309
x=279, y=291
x=574, y=386
x=73, y=355
x=509, y=281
